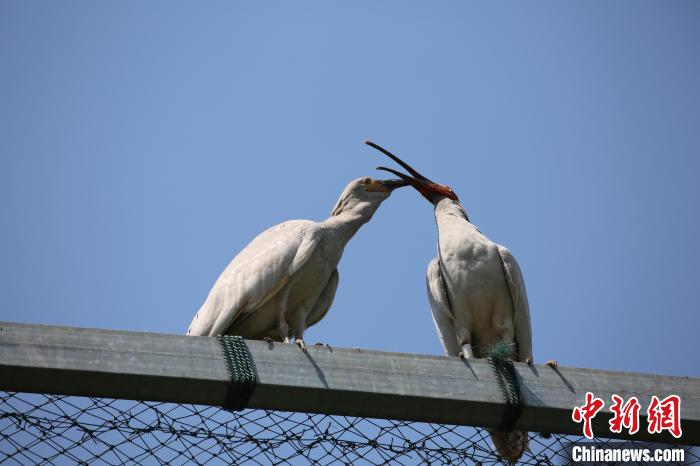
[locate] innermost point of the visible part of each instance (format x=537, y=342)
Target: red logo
x=661, y=414
x=665, y=415
x=587, y=412
x=626, y=415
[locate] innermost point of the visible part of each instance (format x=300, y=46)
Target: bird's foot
x=300, y=343
x=528, y=361
x=318, y=343
x=268, y=339
x=552, y=363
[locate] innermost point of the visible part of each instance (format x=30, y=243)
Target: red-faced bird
x=475, y=289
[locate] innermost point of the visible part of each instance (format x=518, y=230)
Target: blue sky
x=143, y=145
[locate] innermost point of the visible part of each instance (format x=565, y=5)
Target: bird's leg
x=281, y=317
x=463, y=332
x=466, y=352
x=300, y=326
x=284, y=328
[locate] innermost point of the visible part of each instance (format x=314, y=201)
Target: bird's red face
x=430, y=190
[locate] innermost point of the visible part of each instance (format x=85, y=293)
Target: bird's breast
x=312, y=278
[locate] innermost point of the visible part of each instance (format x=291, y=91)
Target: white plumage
x=285, y=280
x=478, y=299
x=476, y=291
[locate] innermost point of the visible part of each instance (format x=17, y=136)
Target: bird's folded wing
x=255, y=275
x=521, y=320
x=324, y=301
x=440, y=307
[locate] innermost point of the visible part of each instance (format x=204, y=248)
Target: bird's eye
x=366, y=180
x=449, y=189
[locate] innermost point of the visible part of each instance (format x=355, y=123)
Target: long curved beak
x=417, y=180
x=404, y=178
x=429, y=189
x=407, y=167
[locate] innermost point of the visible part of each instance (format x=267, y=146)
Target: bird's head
x=432, y=191
x=365, y=193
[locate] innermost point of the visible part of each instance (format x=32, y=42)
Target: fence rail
x=181, y=369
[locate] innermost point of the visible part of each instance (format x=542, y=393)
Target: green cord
x=507, y=379
x=241, y=369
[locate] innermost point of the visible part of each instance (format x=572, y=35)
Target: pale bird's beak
x=385, y=186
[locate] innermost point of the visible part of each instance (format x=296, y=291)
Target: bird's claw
x=318, y=343
x=528, y=361
x=552, y=363
x=268, y=339
x=461, y=355
x=300, y=343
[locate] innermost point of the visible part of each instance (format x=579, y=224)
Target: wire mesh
x=51, y=429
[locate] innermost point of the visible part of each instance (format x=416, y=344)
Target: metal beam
x=182, y=369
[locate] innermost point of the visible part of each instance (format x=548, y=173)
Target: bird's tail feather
x=509, y=445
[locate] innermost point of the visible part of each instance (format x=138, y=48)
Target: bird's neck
x=448, y=208
x=348, y=222
x=451, y=219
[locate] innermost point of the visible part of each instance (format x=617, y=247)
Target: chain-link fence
x=50, y=429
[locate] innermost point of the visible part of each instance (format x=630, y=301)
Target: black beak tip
x=394, y=184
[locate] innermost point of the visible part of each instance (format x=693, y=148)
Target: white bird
x=285, y=280
x=475, y=289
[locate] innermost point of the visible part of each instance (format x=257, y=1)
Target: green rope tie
x=507, y=379
x=241, y=369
